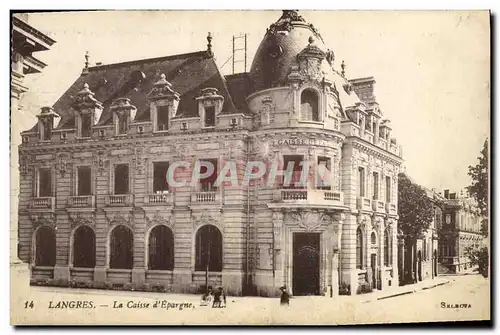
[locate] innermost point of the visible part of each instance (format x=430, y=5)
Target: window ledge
x=120, y=270
x=199, y=272
x=160, y=271
x=82, y=269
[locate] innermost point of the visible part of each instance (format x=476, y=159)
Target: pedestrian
x=207, y=297
x=285, y=297
x=219, y=296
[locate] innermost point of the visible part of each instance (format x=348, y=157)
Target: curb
x=410, y=291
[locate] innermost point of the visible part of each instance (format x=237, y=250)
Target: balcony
x=119, y=200
x=378, y=206
x=391, y=209
x=206, y=197
x=364, y=204
x=308, y=196
x=159, y=199
x=42, y=203
x=81, y=201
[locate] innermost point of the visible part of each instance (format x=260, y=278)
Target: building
x=25, y=41
x=94, y=205
x=461, y=228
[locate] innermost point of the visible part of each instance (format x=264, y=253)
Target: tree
x=479, y=257
x=416, y=212
x=479, y=187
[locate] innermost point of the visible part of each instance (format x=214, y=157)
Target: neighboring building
x=428, y=245
x=25, y=41
x=94, y=205
x=461, y=228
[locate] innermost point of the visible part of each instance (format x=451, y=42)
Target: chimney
x=453, y=195
x=447, y=194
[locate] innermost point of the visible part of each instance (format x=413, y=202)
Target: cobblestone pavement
x=464, y=298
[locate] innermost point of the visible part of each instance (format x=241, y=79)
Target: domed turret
x=278, y=51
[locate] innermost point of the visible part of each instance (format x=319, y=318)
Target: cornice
x=373, y=150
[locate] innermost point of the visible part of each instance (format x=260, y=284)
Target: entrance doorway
x=373, y=261
x=305, y=263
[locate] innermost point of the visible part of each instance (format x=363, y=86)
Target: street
x=469, y=293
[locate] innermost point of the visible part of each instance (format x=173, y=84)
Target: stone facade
x=315, y=239
x=461, y=228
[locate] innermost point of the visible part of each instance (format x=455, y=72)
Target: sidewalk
x=402, y=290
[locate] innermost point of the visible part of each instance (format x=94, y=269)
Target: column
x=278, y=266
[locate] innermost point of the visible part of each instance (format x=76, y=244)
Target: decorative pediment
x=162, y=89
x=78, y=218
x=85, y=99
x=123, y=107
x=40, y=219
x=159, y=218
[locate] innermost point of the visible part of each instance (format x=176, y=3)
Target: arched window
x=309, y=105
x=373, y=238
x=208, y=249
x=161, y=248
x=359, y=249
x=84, y=247
x=387, y=253
x=121, y=256
x=45, y=247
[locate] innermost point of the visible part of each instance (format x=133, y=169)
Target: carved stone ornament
x=77, y=219
x=376, y=223
x=205, y=218
x=284, y=23
x=40, y=219
x=119, y=218
x=363, y=220
x=139, y=160
x=63, y=163
x=159, y=219
x=101, y=161
x=310, y=220
x=25, y=165
x=183, y=150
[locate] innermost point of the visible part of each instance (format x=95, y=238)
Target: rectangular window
x=86, y=125
x=162, y=118
x=44, y=182
x=388, y=189
x=121, y=179
x=361, y=179
x=208, y=183
x=84, y=180
x=122, y=124
x=47, y=130
x=210, y=116
x=324, y=173
x=296, y=173
x=160, y=183
x=375, y=185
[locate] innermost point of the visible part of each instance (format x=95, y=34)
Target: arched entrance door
x=305, y=263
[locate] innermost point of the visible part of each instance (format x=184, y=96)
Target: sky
x=432, y=69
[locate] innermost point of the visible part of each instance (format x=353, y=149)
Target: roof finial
x=343, y=68
x=209, y=45
x=85, y=70
x=311, y=40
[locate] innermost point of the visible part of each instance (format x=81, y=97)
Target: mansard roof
x=188, y=73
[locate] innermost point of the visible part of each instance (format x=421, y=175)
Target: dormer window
x=88, y=111
x=210, y=104
x=123, y=114
x=210, y=116
x=309, y=104
x=46, y=123
x=163, y=104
